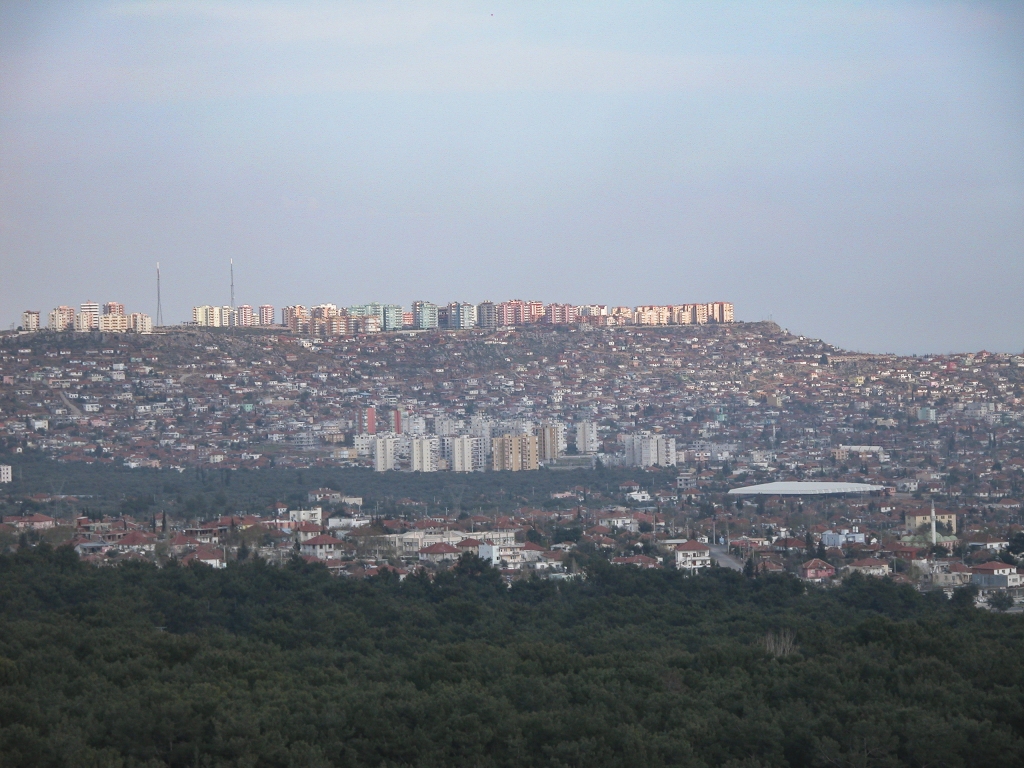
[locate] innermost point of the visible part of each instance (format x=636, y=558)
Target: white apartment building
x=314, y=515
x=140, y=322
x=587, y=440
x=646, y=450
x=6, y=475
x=467, y=454
x=384, y=453
x=214, y=317
x=423, y=454
x=88, y=318
x=62, y=318
x=30, y=320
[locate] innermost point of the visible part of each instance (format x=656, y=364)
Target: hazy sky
x=853, y=169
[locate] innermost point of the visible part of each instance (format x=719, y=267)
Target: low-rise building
x=817, y=570
x=692, y=556
x=996, y=574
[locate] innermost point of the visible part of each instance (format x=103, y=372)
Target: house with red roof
x=439, y=553
x=207, y=556
x=995, y=574
x=469, y=545
x=691, y=556
x=817, y=570
x=322, y=547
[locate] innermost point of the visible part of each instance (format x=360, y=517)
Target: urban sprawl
x=684, y=403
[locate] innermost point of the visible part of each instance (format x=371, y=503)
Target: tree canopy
x=255, y=665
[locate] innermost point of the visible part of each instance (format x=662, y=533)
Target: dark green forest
x=256, y=665
x=206, y=492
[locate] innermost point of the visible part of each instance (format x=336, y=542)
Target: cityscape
x=520, y=384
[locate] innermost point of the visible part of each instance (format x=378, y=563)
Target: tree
x=809, y=544
x=963, y=597
x=748, y=567
x=1017, y=543
x=1000, y=601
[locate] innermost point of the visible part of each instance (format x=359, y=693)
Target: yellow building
x=514, y=453
x=915, y=521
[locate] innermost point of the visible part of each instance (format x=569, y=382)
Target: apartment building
x=514, y=453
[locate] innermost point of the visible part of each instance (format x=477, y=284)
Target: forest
x=256, y=665
x=207, y=492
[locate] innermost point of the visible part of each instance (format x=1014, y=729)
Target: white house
x=692, y=556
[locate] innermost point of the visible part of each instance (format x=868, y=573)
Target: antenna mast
x=159, y=307
x=232, y=283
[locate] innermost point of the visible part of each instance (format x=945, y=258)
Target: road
x=724, y=559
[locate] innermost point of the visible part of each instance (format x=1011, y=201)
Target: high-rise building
x=245, y=316
x=113, y=308
x=88, y=318
x=62, y=318
x=550, y=441
x=30, y=320
x=140, y=322
x=6, y=475
x=266, y=314
x=113, y=323
x=296, y=318
x=392, y=420
x=423, y=454
x=444, y=317
x=391, y=317
x=720, y=312
x=682, y=314
x=466, y=314
x=467, y=454
x=560, y=314
x=486, y=316
x=514, y=453
x=214, y=317
x=510, y=313
x=646, y=450
x=586, y=437
x=384, y=453
x=652, y=315
x=366, y=420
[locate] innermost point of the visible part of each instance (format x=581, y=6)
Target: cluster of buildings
x=90, y=316
x=748, y=398
x=826, y=540
x=330, y=320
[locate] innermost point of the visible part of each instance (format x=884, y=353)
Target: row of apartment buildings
x=91, y=316
x=327, y=320
x=507, y=452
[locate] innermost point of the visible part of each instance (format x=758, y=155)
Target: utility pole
x=159, y=307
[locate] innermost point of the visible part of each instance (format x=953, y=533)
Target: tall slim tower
x=159, y=308
x=232, y=283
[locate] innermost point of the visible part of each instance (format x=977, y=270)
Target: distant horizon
x=855, y=168
x=739, y=320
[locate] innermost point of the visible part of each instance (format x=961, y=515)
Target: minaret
x=933, y=523
x=232, y=283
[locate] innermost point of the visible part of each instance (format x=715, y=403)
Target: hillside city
x=638, y=420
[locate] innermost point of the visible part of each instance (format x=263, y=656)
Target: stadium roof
x=804, y=489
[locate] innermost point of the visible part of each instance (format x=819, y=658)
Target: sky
x=852, y=170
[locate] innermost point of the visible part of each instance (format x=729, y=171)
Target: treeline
x=209, y=490
x=261, y=666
